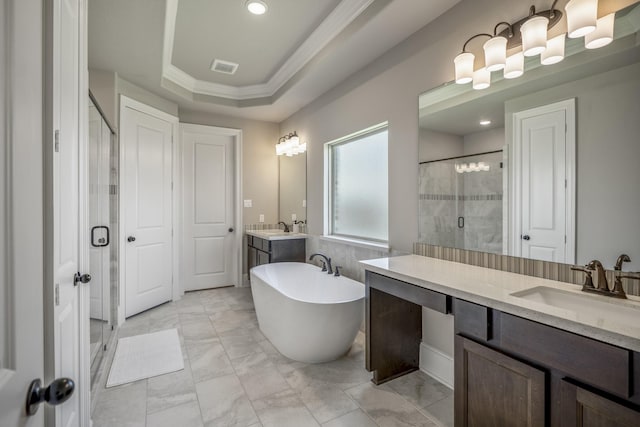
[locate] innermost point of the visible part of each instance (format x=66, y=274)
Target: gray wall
x=608, y=152
x=387, y=90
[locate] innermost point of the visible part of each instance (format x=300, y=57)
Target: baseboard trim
x=436, y=364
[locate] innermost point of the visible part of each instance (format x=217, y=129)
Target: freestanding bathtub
x=308, y=315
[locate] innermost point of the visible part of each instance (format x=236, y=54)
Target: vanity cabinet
x=514, y=371
x=509, y=371
x=263, y=251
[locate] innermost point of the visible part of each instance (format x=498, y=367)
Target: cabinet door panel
x=492, y=389
x=582, y=408
x=263, y=258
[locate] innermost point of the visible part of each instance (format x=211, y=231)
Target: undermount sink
x=601, y=307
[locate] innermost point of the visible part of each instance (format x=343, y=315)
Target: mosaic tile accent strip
x=263, y=226
x=452, y=197
x=528, y=267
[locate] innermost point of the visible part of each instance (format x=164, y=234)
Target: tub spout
x=327, y=260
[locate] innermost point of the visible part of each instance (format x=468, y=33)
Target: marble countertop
x=275, y=234
x=493, y=288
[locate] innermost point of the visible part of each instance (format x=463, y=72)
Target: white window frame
x=328, y=189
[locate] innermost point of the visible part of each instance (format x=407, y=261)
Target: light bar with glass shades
x=289, y=145
x=530, y=35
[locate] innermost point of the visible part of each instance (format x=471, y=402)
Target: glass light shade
x=603, y=35
x=294, y=140
x=515, y=66
x=534, y=35
x=554, y=52
x=257, y=7
x=581, y=17
x=495, y=53
x=464, y=67
x=481, y=79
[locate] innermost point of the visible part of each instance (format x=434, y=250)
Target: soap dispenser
x=296, y=226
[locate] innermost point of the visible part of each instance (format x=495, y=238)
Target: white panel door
x=66, y=98
x=543, y=186
x=147, y=197
x=209, y=243
x=21, y=208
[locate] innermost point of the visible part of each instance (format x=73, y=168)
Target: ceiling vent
x=225, y=67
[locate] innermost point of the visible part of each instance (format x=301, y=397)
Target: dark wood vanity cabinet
x=263, y=251
x=512, y=371
x=509, y=371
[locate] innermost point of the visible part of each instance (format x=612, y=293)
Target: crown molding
x=339, y=18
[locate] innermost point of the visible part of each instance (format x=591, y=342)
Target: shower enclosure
x=103, y=210
x=461, y=202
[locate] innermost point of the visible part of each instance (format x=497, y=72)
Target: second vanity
x=519, y=360
x=267, y=246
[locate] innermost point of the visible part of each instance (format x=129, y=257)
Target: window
x=357, y=189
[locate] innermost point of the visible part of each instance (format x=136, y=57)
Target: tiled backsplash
x=529, y=267
x=263, y=226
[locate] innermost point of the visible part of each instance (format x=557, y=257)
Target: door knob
x=230, y=229
x=84, y=279
x=59, y=391
x=131, y=239
x=526, y=237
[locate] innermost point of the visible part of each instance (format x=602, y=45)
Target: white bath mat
x=145, y=356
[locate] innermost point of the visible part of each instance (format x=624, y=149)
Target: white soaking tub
x=308, y=315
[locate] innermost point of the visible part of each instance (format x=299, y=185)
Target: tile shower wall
x=529, y=267
x=446, y=198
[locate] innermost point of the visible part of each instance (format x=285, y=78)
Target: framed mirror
x=292, y=188
x=544, y=166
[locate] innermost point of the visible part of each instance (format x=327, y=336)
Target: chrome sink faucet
x=326, y=262
x=603, y=285
x=286, y=227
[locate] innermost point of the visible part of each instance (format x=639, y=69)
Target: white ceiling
x=288, y=57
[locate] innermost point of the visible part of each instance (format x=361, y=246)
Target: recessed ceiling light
x=485, y=122
x=257, y=7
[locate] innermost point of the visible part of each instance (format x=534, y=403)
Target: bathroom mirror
x=544, y=166
x=293, y=188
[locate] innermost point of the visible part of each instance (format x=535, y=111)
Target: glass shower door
x=100, y=312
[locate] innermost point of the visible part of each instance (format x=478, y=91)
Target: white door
x=209, y=237
x=147, y=202
x=99, y=173
x=545, y=169
x=21, y=209
x=66, y=122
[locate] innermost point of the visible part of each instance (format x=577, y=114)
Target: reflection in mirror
x=562, y=151
x=293, y=188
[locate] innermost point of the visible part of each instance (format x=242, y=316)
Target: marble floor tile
x=239, y=346
x=234, y=376
x=442, y=411
x=356, y=418
x=420, y=389
x=327, y=402
x=387, y=408
x=223, y=402
x=174, y=389
x=341, y=373
x=284, y=410
x=263, y=382
x=185, y=415
x=208, y=360
x=124, y=406
x=255, y=361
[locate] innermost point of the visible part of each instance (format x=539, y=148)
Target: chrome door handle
x=131, y=239
x=84, y=278
x=59, y=391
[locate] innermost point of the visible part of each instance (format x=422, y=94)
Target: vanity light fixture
x=289, y=145
x=257, y=7
x=530, y=34
x=472, y=167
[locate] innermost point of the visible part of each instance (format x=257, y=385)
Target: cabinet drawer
x=417, y=295
x=472, y=319
x=592, y=362
x=264, y=245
